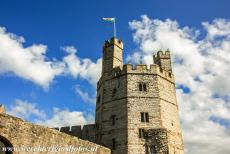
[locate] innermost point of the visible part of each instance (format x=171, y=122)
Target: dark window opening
x=141, y=133
x=144, y=117
x=142, y=87
x=161, y=70
x=98, y=99
x=113, y=144
x=147, y=117
x=114, y=92
x=170, y=75
x=113, y=117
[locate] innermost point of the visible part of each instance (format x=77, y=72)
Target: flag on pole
x=109, y=19
x=114, y=24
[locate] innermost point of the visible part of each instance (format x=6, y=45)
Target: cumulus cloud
x=200, y=64
x=29, y=63
x=65, y=118
x=27, y=110
x=84, y=68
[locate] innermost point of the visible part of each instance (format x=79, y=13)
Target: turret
x=112, y=55
x=163, y=59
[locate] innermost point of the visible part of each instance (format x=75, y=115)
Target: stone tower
x=136, y=109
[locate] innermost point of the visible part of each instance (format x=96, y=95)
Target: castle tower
x=112, y=55
x=136, y=109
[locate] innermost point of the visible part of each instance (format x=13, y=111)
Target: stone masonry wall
x=85, y=133
x=156, y=141
x=141, y=101
x=24, y=134
x=170, y=114
x=113, y=103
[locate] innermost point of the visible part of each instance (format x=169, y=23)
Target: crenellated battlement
x=113, y=41
x=87, y=132
x=144, y=69
x=161, y=54
x=161, y=67
x=163, y=59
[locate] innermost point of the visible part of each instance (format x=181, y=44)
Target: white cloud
x=83, y=68
x=30, y=111
x=29, y=63
x=202, y=65
x=64, y=118
x=24, y=109
x=85, y=96
x=219, y=27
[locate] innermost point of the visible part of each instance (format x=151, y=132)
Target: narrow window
x=98, y=99
x=113, y=144
x=147, y=117
x=144, y=86
x=161, y=70
x=142, y=117
x=114, y=92
x=141, y=133
x=140, y=86
x=170, y=75
x=113, y=117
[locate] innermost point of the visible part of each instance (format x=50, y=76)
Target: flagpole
x=114, y=27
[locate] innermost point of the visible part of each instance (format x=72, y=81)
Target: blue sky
x=78, y=25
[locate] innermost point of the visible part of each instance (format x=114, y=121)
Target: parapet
x=2, y=109
x=85, y=133
x=161, y=55
x=113, y=41
x=74, y=130
x=88, y=132
x=143, y=69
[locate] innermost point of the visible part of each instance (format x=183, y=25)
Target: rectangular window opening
x=113, y=119
x=113, y=144
x=141, y=133
x=142, y=117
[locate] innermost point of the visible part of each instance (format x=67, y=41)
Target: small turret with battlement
x=112, y=55
x=163, y=59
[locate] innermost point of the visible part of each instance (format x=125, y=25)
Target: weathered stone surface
x=119, y=96
x=156, y=141
x=22, y=134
